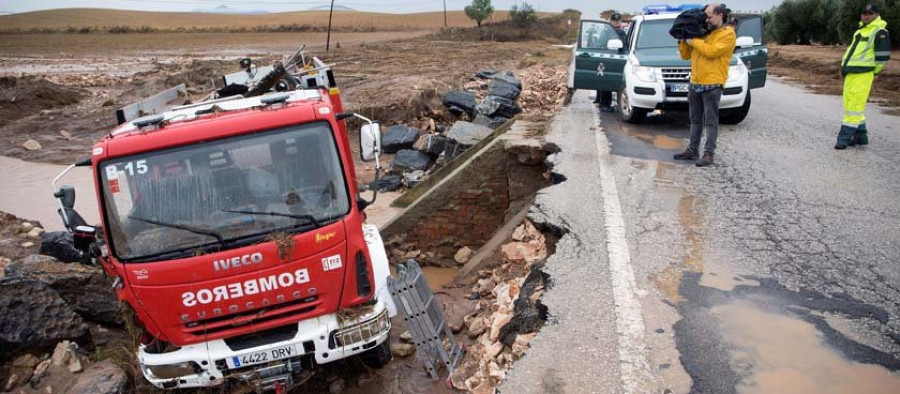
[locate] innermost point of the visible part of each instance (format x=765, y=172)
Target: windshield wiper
x=192, y=229
x=310, y=218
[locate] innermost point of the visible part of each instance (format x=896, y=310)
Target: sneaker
x=706, y=161
x=840, y=146
x=606, y=109
x=686, y=155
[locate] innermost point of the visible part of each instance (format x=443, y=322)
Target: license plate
x=262, y=356
x=678, y=88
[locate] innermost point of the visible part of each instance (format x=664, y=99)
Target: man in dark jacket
x=605, y=97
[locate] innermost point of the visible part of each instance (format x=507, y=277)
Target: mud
x=29, y=193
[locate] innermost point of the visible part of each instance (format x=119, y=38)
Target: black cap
x=615, y=17
x=870, y=9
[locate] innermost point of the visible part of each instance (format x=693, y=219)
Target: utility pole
x=445, y=14
x=328, y=38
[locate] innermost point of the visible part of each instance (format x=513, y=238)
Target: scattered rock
x=35, y=233
x=86, y=289
x=398, y=137
x=65, y=135
x=487, y=121
x=476, y=328
x=524, y=253
x=505, y=87
x=61, y=246
x=500, y=321
x=337, y=386
x=526, y=232
x=463, y=135
x=521, y=344
x=402, y=349
x=104, y=377
x=27, y=244
x=495, y=106
x=461, y=101
x=387, y=183
x=406, y=337
x=64, y=356
x=410, y=160
x=41, y=322
x=485, y=286
x=486, y=74
x=493, y=350
x=463, y=255
x=413, y=179
x=4, y=262
x=41, y=369
x=26, y=226
x=32, y=145
x=435, y=144
x=26, y=361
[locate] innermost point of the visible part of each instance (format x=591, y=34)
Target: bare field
x=83, y=17
x=171, y=44
x=818, y=68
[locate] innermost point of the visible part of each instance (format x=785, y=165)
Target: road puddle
x=690, y=218
x=437, y=277
x=27, y=191
x=774, y=353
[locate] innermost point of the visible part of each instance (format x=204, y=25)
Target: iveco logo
x=238, y=261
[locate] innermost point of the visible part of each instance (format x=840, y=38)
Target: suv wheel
x=736, y=115
x=629, y=113
x=378, y=356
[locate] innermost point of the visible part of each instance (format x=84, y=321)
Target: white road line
x=634, y=367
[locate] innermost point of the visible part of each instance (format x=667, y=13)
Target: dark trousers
x=604, y=98
x=704, y=113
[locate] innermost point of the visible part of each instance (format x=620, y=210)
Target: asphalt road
x=777, y=270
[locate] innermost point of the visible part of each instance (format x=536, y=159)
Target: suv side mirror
x=615, y=44
x=743, y=42
x=370, y=141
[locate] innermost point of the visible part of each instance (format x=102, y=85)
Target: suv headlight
x=173, y=371
x=644, y=74
x=735, y=72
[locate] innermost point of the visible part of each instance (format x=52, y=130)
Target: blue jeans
x=704, y=109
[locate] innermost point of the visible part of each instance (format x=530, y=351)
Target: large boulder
x=463, y=135
x=104, y=377
x=506, y=87
x=487, y=121
x=35, y=317
x=398, y=137
x=408, y=160
x=61, y=245
x=461, y=100
x=496, y=106
x=84, y=288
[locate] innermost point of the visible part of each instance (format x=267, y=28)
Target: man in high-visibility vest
x=869, y=50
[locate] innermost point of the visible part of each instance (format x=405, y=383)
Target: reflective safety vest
x=869, y=50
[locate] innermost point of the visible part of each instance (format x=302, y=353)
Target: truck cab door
x=754, y=56
x=597, y=67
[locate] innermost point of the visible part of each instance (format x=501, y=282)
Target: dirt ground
x=14, y=239
x=818, y=68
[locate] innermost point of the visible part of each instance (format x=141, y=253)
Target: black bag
x=689, y=24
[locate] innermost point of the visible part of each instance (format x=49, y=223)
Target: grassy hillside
x=63, y=19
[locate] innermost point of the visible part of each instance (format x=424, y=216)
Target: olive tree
x=479, y=10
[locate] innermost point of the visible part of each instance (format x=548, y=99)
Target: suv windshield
x=655, y=34
x=170, y=203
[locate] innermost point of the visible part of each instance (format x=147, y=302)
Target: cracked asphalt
x=774, y=271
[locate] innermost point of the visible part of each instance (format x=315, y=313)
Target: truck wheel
x=736, y=115
x=378, y=356
x=629, y=113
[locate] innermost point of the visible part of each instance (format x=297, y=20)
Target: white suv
x=648, y=73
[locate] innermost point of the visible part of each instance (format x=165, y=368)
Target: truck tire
x=736, y=115
x=629, y=113
x=378, y=356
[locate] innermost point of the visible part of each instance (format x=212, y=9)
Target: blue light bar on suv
x=665, y=8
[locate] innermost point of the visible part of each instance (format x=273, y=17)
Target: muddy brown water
x=776, y=353
x=437, y=277
x=27, y=191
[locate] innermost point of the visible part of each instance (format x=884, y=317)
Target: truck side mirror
x=66, y=196
x=744, y=42
x=615, y=44
x=369, y=141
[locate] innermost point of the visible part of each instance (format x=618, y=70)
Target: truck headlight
x=735, y=72
x=644, y=74
x=173, y=371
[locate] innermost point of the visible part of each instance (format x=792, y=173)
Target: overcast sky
x=588, y=7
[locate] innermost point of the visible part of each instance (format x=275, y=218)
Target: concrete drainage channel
x=466, y=225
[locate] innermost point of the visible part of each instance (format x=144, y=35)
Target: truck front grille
x=681, y=74
x=231, y=321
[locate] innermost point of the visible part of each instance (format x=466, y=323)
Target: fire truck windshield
x=172, y=203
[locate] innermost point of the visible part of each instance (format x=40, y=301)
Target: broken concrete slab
x=398, y=137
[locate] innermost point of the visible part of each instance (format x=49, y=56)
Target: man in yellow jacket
x=869, y=50
x=710, y=57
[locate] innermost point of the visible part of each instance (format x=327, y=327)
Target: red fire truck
x=234, y=231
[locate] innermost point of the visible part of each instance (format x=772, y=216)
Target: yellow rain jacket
x=710, y=56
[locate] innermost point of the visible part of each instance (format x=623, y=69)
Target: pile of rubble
x=544, y=91
x=66, y=370
x=508, y=313
x=490, y=103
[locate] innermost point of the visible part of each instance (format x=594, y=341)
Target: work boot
x=861, y=137
x=607, y=108
x=706, y=161
x=686, y=155
x=845, y=137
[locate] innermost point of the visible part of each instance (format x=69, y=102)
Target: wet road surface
x=776, y=271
